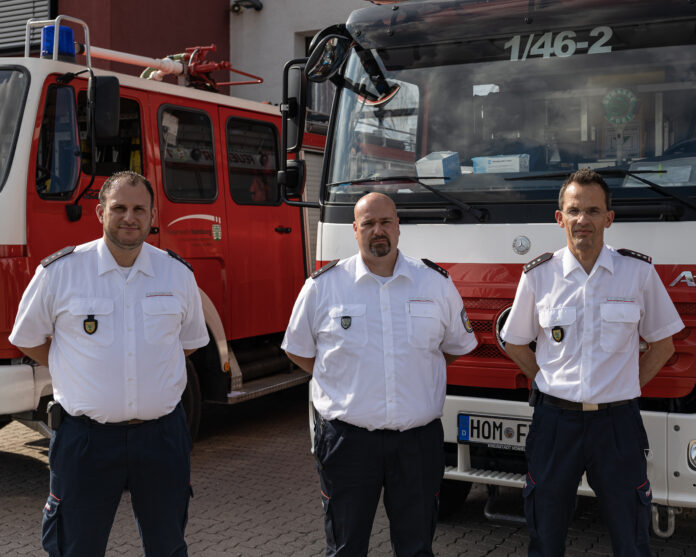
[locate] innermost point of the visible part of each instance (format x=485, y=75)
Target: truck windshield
x=465, y=118
x=13, y=85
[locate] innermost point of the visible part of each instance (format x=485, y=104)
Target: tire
x=191, y=399
x=453, y=493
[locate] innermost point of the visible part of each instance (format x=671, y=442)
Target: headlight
x=691, y=454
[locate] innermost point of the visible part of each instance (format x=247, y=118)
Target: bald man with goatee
x=376, y=331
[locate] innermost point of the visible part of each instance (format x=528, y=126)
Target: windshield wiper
x=480, y=215
x=611, y=172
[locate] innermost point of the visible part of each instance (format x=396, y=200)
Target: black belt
x=90, y=421
x=580, y=406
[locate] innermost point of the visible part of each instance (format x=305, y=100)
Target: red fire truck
x=469, y=115
x=212, y=160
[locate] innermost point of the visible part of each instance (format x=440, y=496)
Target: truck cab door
x=192, y=207
x=265, y=235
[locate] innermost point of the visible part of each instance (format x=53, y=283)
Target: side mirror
x=294, y=105
x=294, y=178
x=105, y=105
x=327, y=58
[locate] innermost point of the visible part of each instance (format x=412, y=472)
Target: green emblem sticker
x=620, y=106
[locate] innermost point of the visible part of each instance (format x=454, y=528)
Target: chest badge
x=90, y=325
x=557, y=333
x=346, y=321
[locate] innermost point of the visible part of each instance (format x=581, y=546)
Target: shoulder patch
x=179, y=258
x=635, y=254
x=436, y=267
x=543, y=258
x=322, y=270
x=46, y=261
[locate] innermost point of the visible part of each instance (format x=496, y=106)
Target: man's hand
x=525, y=359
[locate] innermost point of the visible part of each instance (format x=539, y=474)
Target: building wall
x=154, y=28
x=262, y=41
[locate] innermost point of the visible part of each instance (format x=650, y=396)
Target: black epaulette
x=635, y=254
x=179, y=258
x=436, y=267
x=46, y=261
x=543, y=258
x=329, y=265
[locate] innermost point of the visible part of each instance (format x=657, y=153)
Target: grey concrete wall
x=262, y=41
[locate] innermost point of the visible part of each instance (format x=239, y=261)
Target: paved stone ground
x=256, y=494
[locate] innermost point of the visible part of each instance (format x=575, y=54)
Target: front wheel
x=191, y=399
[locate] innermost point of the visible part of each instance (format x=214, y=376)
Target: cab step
x=267, y=385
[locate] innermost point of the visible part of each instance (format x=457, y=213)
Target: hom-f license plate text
x=494, y=431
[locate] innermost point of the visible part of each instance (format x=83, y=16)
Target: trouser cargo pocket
x=50, y=527
x=643, y=509
x=529, y=507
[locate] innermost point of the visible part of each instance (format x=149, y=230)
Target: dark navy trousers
x=355, y=465
x=91, y=465
x=610, y=445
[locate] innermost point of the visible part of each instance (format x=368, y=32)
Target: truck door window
x=58, y=155
x=121, y=153
x=13, y=87
x=187, y=152
x=251, y=160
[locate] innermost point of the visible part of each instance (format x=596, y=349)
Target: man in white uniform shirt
x=586, y=306
x=377, y=330
x=113, y=319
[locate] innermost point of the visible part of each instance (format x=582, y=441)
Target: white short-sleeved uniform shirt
x=379, y=342
x=132, y=365
x=587, y=328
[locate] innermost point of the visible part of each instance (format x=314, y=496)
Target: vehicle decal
x=202, y=217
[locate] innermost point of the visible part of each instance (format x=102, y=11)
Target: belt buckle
x=589, y=407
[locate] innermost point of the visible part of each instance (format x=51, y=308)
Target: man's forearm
x=651, y=362
x=38, y=353
x=525, y=359
x=306, y=364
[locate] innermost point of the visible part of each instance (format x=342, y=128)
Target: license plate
x=494, y=431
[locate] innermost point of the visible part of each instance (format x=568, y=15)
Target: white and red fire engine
x=212, y=160
x=470, y=115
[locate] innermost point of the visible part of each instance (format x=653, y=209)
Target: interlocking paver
x=256, y=495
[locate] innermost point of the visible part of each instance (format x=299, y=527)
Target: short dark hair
x=585, y=177
x=131, y=178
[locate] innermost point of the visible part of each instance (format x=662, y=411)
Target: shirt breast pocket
x=162, y=319
x=560, y=329
x=348, y=325
x=619, y=324
x=423, y=320
x=91, y=321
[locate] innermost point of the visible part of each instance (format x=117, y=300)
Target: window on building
x=252, y=161
x=187, y=151
x=121, y=153
x=58, y=155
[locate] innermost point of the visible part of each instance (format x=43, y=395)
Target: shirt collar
x=570, y=263
x=143, y=262
x=401, y=268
